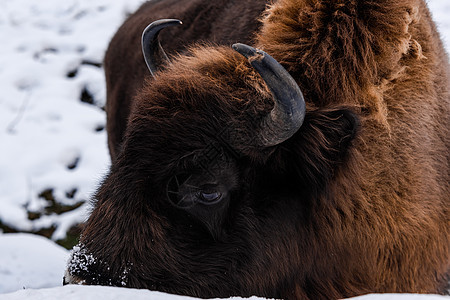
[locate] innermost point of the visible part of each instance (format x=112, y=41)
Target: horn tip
x=245, y=50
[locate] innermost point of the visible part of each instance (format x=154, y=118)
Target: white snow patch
x=401, y=297
x=49, y=138
x=76, y=292
x=30, y=261
x=80, y=258
x=440, y=10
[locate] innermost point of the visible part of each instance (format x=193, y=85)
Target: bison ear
x=333, y=131
x=154, y=54
x=321, y=146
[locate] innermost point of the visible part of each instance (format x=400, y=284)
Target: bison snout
x=70, y=279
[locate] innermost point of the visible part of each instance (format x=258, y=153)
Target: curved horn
x=151, y=48
x=289, y=109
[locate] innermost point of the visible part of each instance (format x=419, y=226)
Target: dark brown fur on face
x=357, y=201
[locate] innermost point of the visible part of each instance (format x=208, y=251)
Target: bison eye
x=209, y=197
x=185, y=191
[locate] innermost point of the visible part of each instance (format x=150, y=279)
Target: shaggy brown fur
x=220, y=21
x=357, y=201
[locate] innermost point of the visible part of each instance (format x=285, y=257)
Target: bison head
x=222, y=183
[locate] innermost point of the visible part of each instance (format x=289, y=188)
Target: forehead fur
x=194, y=101
x=205, y=77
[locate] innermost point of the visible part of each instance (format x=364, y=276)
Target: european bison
x=221, y=184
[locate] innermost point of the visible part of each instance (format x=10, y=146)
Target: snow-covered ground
x=30, y=261
x=97, y=292
x=53, y=145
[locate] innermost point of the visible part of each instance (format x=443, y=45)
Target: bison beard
x=354, y=200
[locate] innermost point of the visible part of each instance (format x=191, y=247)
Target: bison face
x=197, y=204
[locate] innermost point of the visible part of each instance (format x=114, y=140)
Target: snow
x=51, y=141
x=94, y=293
x=75, y=292
x=30, y=261
x=401, y=297
x=440, y=10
